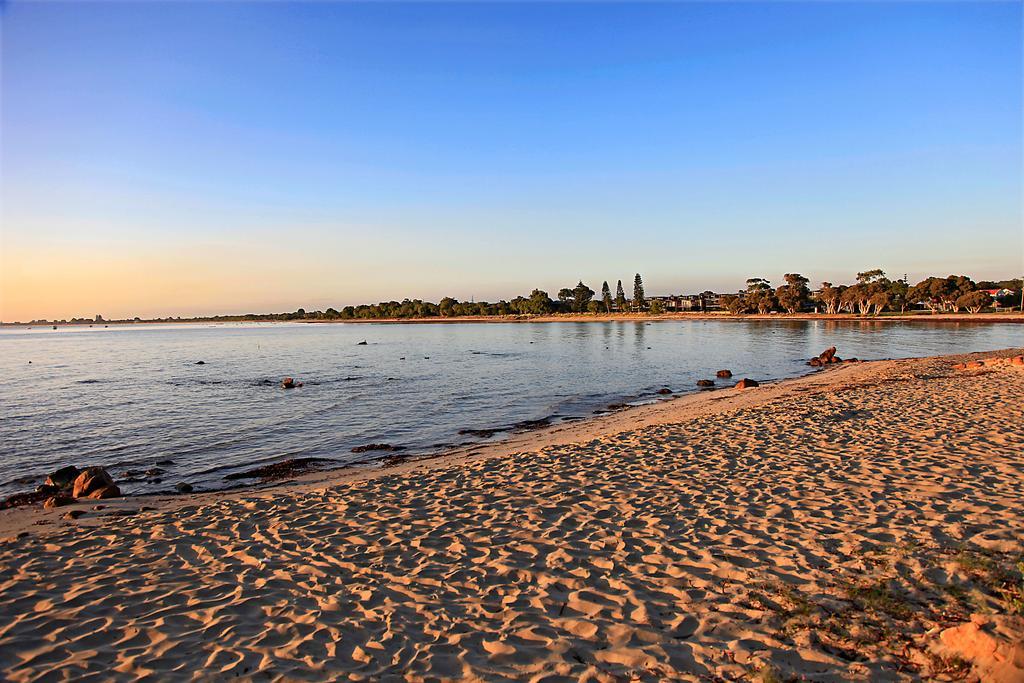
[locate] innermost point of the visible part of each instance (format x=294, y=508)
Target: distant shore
x=645, y=317
x=860, y=523
x=917, y=317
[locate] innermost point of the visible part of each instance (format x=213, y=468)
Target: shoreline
x=1014, y=317
x=654, y=411
x=509, y=435
x=390, y=459
x=861, y=523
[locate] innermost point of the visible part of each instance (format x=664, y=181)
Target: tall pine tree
x=606, y=296
x=620, y=297
x=638, y=293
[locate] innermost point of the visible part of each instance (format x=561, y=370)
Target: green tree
x=620, y=297
x=830, y=297
x=939, y=293
x=879, y=300
x=639, y=302
x=540, y=302
x=762, y=300
x=595, y=306
x=565, y=297
x=657, y=308
x=759, y=295
x=869, y=276
x=758, y=284
x=898, y=290
x=606, y=297
x=581, y=296
x=974, y=301
x=794, y=294
x=735, y=303
x=446, y=307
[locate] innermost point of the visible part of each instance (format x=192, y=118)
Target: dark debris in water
x=481, y=433
x=278, y=470
x=377, y=447
x=529, y=425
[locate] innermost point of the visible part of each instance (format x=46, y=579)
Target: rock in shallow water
x=92, y=479
x=105, y=492
x=747, y=383
x=64, y=477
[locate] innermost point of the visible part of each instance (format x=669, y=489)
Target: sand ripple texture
x=826, y=532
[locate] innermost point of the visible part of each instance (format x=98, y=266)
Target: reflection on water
x=132, y=396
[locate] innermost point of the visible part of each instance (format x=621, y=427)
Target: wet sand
x=840, y=526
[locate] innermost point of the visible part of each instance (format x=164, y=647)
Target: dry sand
x=842, y=526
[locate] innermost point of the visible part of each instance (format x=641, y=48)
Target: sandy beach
x=861, y=523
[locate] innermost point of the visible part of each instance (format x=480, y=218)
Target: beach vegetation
x=878, y=596
x=770, y=674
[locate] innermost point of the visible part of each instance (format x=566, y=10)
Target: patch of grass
x=799, y=605
x=997, y=573
x=1013, y=591
x=769, y=674
x=952, y=666
x=879, y=597
x=974, y=562
x=910, y=545
x=957, y=592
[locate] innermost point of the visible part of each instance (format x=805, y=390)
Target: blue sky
x=201, y=157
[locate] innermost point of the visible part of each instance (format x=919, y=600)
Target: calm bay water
x=130, y=397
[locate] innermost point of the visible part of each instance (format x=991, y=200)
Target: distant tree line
x=578, y=299
x=871, y=294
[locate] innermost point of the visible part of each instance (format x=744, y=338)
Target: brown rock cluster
x=825, y=358
x=94, y=482
x=63, y=486
x=747, y=383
